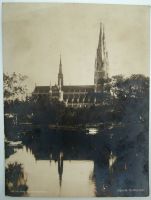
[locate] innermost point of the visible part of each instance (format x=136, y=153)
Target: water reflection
x=92, y=131
x=60, y=167
x=112, y=160
x=56, y=178
x=69, y=164
x=60, y=164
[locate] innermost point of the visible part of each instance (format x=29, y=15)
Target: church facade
x=80, y=95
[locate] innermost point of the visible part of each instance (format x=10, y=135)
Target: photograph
x=76, y=99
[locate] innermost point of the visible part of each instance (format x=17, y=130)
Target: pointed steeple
x=101, y=62
x=101, y=50
x=60, y=66
x=60, y=75
x=101, y=34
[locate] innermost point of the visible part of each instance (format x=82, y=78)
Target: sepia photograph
x=76, y=99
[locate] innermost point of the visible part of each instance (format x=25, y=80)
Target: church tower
x=101, y=62
x=60, y=75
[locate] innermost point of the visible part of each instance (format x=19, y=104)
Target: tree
x=15, y=180
x=14, y=87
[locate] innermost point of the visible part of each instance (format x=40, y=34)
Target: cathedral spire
x=101, y=62
x=60, y=75
x=101, y=50
x=60, y=66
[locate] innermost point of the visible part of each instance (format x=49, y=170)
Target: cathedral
x=80, y=95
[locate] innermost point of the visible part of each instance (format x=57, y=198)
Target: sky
x=35, y=34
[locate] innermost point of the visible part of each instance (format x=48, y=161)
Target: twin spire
x=101, y=50
x=101, y=61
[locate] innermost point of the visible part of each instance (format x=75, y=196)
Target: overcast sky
x=34, y=36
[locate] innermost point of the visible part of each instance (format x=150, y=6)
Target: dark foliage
x=15, y=181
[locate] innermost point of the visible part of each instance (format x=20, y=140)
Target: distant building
x=80, y=95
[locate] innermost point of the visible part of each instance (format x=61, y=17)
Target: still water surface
x=44, y=178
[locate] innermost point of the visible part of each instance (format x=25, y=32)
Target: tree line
x=123, y=96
